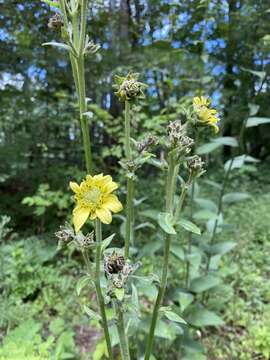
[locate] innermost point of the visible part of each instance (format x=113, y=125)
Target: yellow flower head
x=94, y=199
x=206, y=115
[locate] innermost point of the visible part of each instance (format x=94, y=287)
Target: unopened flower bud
x=195, y=164
x=56, y=22
x=129, y=88
x=65, y=234
x=175, y=131
x=146, y=143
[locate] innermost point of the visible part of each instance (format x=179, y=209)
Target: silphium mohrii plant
x=94, y=195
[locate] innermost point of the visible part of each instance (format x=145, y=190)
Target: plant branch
x=99, y=291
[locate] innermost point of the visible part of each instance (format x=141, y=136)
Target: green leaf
x=59, y=45
x=165, y=221
x=204, y=283
x=177, y=251
x=206, y=204
x=185, y=299
x=83, y=281
x=173, y=316
x=255, y=121
x=106, y=242
x=201, y=317
x=222, y=248
x=52, y=3
x=119, y=293
x=204, y=215
x=92, y=314
x=226, y=140
x=235, y=197
x=135, y=297
x=207, y=148
x=189, y=226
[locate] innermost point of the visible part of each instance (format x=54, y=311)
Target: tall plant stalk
x=78, y=71
x=98, y=231
x=124, y=347
x=130, y=183
x=170, y=192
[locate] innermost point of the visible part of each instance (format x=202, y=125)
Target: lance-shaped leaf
x=226, y=140
x=203, y=317
x=235, y=197
x=204, y=283
x=189, y=226
x=83, y=281
x=255, y=121
x=106, y=242
x=165, y=221
x=92, y=314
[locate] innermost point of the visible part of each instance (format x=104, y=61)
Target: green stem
x=99, y=291
x=129, y=199
x=128, y=216
x=163, y=282
x=187, y=274
x=127, y=131
x=121, y=332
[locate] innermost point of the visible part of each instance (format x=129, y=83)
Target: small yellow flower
x=94, y=199
x=206, y=115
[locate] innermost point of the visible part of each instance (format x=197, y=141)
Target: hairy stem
x=121, y=332
x=99, y=291
x=130, y=183
x=163, y=282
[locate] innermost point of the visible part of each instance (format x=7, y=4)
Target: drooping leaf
x=171, y=315
x=59, y=45
x=189, y=226
x=206, y=204
x=207, y=148
x=204, y=283
x=201, y=317
x=235, y=197
x=255, y=121
x=226, y=140
x=166, y=222
x=92, y=314
x=204, y=215
x=223, y=247
x=83, y=281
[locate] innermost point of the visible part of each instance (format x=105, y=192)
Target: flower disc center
x=92, y=196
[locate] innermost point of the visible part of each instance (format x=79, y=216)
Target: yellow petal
x=110, y=187
x=112, y=203
x=80, y=215
x=104, y=215
x=74, y=187
x=216, y=128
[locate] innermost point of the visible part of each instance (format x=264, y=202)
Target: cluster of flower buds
x=178, y=138
x=195, y=165
x=117, y=269
x=67, y=235
x=129, y=88
x=145, y=144
x=90, y=47
x=56, y=22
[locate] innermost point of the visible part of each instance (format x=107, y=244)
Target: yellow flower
x=94, y=199
x=201, y=101
x=206, y=115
